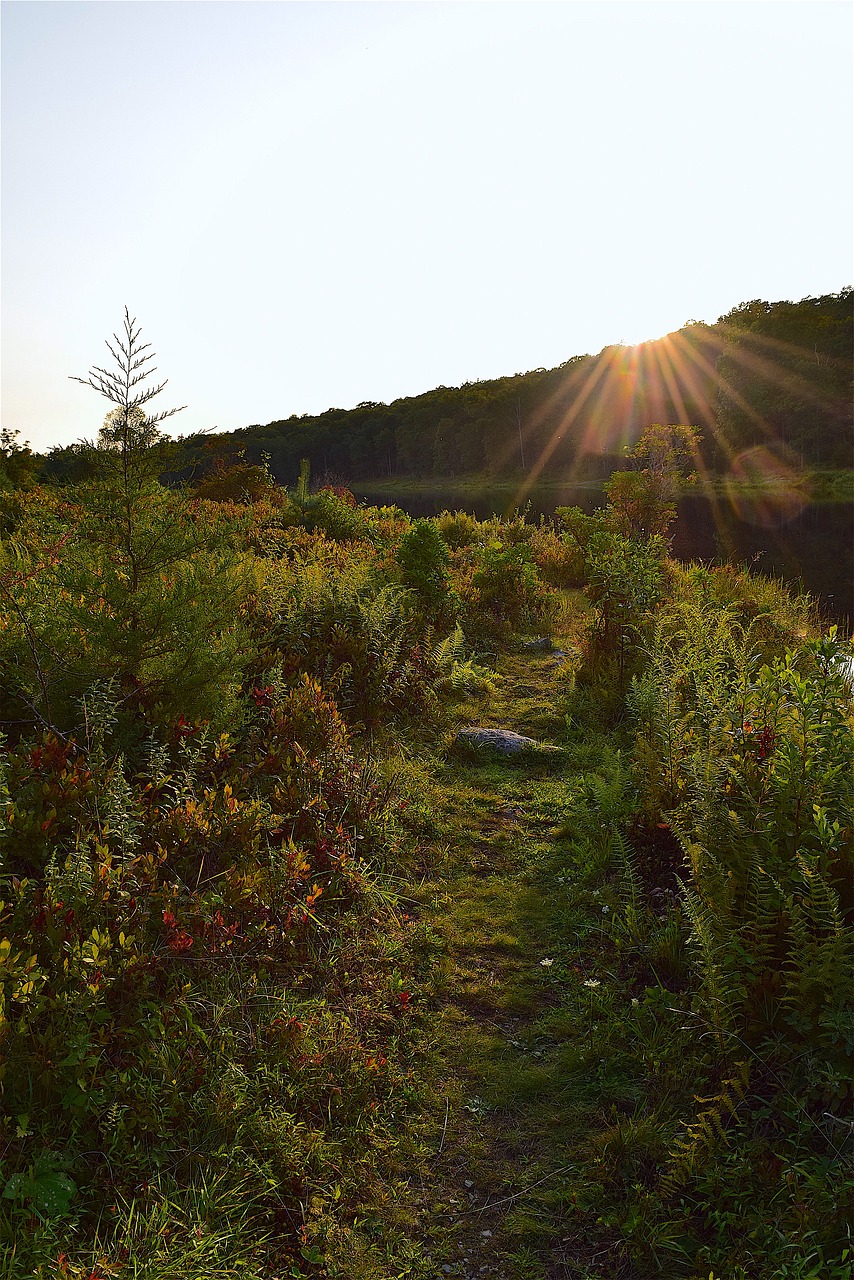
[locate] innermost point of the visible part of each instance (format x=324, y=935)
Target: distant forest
x=766, y=374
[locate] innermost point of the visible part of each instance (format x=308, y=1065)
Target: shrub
x=559, y=559
x=459, y=529
x=240, y=482
x=423, y=558
x=151, y=962
x=625, y=581
x=508, y=586
x=337, y=517
x=150, y=598
x=363, y=640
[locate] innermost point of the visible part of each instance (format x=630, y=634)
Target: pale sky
x=314, y=204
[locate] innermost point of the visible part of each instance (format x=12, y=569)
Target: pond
x=811, y=548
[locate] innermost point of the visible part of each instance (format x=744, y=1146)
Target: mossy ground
x=499, y=1193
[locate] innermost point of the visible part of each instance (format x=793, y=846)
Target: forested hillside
x=776, y=374
x=766, y=374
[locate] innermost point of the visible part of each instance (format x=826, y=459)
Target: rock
x=542, y=644
x=504, y=741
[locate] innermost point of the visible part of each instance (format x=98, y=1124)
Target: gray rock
x=542, y=644
x=504, y=741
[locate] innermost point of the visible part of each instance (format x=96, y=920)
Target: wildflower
x=635, y=1002
x=547, y=963
x=605, y=910
x=591, y=982
x=168, y=919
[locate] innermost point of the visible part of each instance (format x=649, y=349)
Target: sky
x=309, y=205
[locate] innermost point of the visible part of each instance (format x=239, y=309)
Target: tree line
x=777, y=375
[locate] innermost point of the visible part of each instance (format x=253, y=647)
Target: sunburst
x=681, y=378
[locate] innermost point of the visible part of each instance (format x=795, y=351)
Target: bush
x=363, y=640
x=337, y=516
x=150, y=598
x=423, y=558
x=508, y=586
x=153, y=1025
x=559, y=560
x=459, y=529
x=625, y=581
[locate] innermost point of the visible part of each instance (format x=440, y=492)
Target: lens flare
x=764, y=489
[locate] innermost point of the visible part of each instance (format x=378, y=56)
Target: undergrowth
x=259, y=919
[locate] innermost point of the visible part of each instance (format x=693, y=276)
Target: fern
x=820, y=961
x=708, y=1132
x=722, y=990
x=633, y=916
x=457, y=673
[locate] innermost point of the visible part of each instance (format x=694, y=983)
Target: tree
x=642, y=501
x=123, y=386
x=146, y=588
x=18, y=464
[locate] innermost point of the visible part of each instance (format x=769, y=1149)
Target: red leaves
x=179, y=942
x=342, y=494
x=183, y=728
x=219, y=933
x=52, y=755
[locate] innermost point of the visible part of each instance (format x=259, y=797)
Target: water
x=810, y=548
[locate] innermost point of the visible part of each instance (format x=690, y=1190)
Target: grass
x=566, y=1051
x=494, y=1196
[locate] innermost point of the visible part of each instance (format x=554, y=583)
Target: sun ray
x=687, y=374
x=660, y=354
x=595, y=376
x=774, y=373
x=736, y=396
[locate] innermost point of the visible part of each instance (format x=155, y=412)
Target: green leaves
x=43, y=1189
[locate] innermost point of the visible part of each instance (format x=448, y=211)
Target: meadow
x=296, y=984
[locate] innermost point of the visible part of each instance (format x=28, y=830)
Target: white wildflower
x=591, y=982
x=547, y=963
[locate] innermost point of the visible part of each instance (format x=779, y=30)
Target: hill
x=775, y=374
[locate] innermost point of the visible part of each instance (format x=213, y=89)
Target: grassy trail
x=500, y=1198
